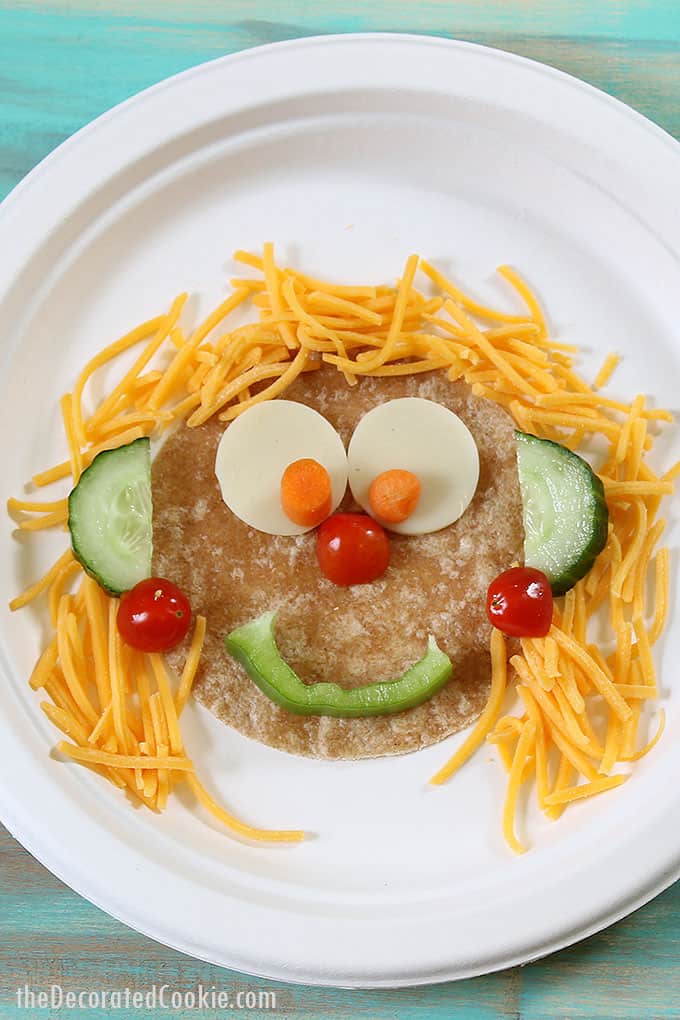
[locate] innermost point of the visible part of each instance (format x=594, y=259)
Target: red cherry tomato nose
x=520, y=603
x=154, y=616
x=352, y=549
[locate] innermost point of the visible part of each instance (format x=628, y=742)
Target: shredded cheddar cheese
x=488, y=716
x=608, y=368
x=571, y=793
x=124, y=719
x=190, y=666
x=525, y=743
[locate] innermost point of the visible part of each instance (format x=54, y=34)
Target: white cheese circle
x=256, y=449
x=427, y=439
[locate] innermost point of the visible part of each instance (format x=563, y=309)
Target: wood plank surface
x=61, y=64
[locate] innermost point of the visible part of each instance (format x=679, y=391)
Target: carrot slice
x=394, y=495
x=306, y=492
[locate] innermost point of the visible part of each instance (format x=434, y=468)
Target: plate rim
x=21, y=831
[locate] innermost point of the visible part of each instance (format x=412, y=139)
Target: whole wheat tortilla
x=435, y=583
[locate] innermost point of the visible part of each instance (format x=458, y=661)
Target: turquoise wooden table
x=63, y=63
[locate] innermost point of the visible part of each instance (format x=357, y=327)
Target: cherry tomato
x=352, y=549
x=154, y=615
x=520, y=603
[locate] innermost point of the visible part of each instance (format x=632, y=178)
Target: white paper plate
x=350, y=153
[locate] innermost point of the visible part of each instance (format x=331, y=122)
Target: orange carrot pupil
x=394, y=495
x=306, y=494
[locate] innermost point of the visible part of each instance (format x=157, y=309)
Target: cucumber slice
x=110, y=514
x=564, y=510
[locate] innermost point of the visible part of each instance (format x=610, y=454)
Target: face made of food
x=435, y=584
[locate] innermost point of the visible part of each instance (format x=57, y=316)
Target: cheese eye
x=422, y=438
x=257, y=449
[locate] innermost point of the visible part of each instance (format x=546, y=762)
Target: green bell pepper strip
x=254, y=646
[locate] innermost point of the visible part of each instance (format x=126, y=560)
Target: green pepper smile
x=254, y=646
